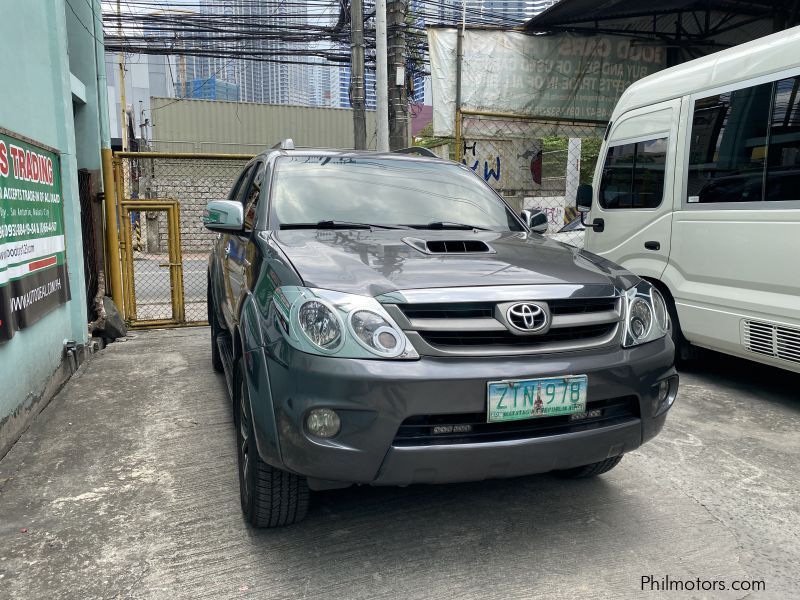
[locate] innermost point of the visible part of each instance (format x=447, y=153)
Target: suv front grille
x=418, y=430
x=479, y=328
x=506, y=338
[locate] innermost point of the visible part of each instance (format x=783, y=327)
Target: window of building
x=633, y=175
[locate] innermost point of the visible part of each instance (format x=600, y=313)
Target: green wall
x=41, y=41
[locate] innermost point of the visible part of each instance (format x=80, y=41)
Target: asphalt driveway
x=126, y=486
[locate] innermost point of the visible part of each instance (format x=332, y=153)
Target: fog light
x=663, y=399
x=323, y=422
x=663, y=390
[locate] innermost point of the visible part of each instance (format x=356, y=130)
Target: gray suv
x=387, y=319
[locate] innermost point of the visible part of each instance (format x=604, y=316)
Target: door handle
x=598, y=225
x=652, y=245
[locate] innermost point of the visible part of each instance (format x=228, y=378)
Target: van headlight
x=336, y=324
x=646, y=316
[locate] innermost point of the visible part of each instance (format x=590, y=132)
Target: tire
x=270, y=497
x=684, y=351
x=216, y=359
x=592, y=470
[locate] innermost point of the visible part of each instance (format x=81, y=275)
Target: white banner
x=565, y=76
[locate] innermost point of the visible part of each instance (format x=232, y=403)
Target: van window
x=745, y=145
x=783, y=154
x=633, y=175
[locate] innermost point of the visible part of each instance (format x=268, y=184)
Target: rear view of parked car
x=386, y=319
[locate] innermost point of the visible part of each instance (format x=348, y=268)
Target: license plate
x=534, y=398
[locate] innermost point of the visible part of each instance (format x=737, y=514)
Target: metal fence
x=158, y=238
x=534, y=164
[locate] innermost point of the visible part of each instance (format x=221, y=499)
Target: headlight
x=375, y=333
x=320, y=325
x=646, y=317
x=313, y=321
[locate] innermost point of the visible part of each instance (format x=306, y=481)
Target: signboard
x=565, y=76
x=33, y=268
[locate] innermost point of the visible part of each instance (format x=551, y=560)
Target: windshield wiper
x=448, y=225
x=338, y=225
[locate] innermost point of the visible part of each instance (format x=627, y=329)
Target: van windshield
x=381, y=191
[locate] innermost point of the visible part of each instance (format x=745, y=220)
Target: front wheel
x=270, y=497
x=592, y=470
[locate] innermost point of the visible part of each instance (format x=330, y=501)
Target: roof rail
x=421, y=150
x=287, y=144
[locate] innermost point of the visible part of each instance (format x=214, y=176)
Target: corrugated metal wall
x=240, y=127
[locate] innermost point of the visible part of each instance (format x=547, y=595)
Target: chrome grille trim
x=424, y=348
x=585, y=315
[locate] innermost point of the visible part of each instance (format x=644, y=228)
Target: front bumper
x=373, y=398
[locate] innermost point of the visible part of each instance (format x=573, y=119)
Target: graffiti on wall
x=491, y=163
x=510, y=165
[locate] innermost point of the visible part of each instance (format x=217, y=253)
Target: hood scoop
x=442, y=247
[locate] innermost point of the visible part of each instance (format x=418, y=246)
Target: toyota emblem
x=527, y=317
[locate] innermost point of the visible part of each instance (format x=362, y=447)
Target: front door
x=633, y=199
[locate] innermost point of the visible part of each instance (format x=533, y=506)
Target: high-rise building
x=341, y=87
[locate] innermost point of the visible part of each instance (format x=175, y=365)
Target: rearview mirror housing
x=224, y=216
x=535, y=220
x=539, y=223
x=583, y=198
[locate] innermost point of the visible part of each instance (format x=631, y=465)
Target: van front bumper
x=374, y=397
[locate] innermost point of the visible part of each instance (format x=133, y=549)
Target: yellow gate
x=163, y=244
x=152, y=268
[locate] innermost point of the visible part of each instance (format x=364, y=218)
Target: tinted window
x=783, y=154
x=382, y=191
x=633, y=175
x=728, y=146
x=241, y=182
x=250, y=201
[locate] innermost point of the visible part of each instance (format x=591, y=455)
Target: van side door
x=736, y=232
x=633, y=196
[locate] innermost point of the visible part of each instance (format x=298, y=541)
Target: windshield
x=384, y=191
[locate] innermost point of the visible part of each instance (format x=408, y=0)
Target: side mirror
x=535, y=220
x=583, y=198
x=539, y=223
x=224, y=216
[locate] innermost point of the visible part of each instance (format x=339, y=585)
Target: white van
x=697, y=189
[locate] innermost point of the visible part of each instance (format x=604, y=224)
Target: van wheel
x=216, y=359
x=592, y=470
x=270, y=497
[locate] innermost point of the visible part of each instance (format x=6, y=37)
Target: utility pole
x=459, y=60
x=123, y=123
x=398, y=96
x=381, y=80
x=358, y=95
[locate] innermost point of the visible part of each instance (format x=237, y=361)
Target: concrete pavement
x=126, y=487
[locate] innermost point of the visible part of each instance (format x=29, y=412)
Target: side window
x=633, y=175
x=250, y=200
x=783, y=152
x=729, y=146
x=240, y=183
